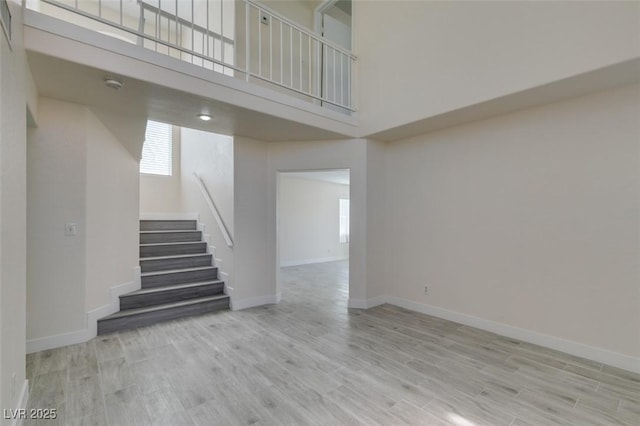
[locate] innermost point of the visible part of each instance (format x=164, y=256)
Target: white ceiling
x=331, y=176
x=81, y=84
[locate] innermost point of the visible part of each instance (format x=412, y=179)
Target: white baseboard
x=367, y=303
x=168, y=216
x=286, y=263
x=571, y=347
x=270, y=299
x=91, y=325
x=22, y=403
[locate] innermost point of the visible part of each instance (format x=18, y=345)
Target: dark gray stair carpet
x=149, y=237
x=168, y=225
x=167, y=294
x=177, y=278
x=164, y=263
x=172, y=249
x=133, y=318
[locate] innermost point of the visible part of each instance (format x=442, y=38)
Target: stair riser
x=173, y=250
x=149, y=318
x=167, y=225
x=168, y=264
x=179, y=278
x=170, y=296
x=170, y=237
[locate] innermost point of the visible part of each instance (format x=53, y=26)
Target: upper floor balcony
x=238, y=39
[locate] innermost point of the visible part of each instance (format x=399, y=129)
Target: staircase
x=177, y=276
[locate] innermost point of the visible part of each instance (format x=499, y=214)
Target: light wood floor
x=309, y=360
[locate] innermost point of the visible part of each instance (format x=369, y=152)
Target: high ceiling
x=332, y=176
x=81, y=84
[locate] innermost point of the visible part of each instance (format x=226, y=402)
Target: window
x=344, y=220
x=156, y=151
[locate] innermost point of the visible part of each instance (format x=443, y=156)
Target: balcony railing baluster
x=162, y=26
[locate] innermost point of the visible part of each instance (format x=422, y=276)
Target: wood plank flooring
x=310, y=360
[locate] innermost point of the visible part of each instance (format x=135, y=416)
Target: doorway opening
x=313, y=237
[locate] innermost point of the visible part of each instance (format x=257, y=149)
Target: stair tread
x=175, y=256
x=138, y=311
x=174, y=271
x=169, y=231
x=152, y=290
x=168, y=220
x=170, y=243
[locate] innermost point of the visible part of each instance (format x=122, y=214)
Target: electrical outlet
x=426, y=289
x=264, y=18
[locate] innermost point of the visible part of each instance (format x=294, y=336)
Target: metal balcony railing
x=239, y=38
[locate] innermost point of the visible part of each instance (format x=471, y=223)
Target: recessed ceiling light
x=204, y=117
x=113, y=83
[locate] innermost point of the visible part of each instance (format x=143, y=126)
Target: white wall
x=529, y=219
x=309, y=221
x=299, y=11
x=12, y=214
x=346, y=154
x=435, y=57
x=111, y=213
x=254, y=272
x=378, y=272
x=162, y=194
x=77, y=173
x=56, y=191
x=210, y=156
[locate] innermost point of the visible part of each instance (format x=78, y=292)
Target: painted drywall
x=378, y=277
x=13, y=225
x=349, y=154
x=210, y=156
x=78, y=172
x=128, y=128
x=32, y=97
x=299, y=11
x=162, y=194
x=529, y=219
x=111, y=213
x=56, y=194
x=435, y=57
x=254, y=268
x=309, y=221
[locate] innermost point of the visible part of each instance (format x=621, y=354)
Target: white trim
x=286, y=263
x=57, y=341
x=91, y=325
x=169, y=216
x=270, y=299
x=22, y=403
x=571, y=347
x=366, y=303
